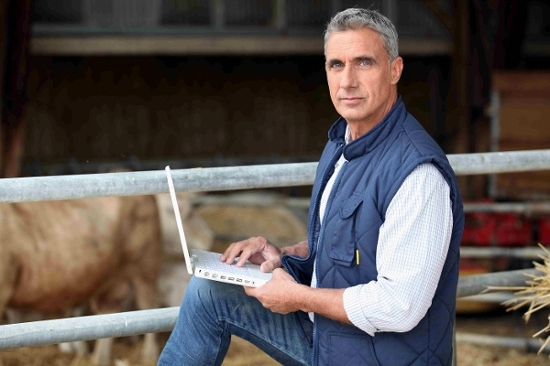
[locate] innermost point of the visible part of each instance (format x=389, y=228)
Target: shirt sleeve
x=412, y=247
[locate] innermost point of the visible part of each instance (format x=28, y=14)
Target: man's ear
x=396, y=69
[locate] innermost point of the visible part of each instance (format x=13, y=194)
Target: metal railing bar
x=231, y=178
x=159, y=320
x=154, y=182
x=212, y=179
x=85, y=328
x=500, y=162
x=476, y=284
x=533, y=252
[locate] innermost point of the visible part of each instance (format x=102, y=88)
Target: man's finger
x=270, y=265
x=233, y=251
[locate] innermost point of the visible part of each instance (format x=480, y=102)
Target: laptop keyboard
x=211, y=261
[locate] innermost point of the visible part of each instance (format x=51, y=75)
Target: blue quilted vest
x=378, y=162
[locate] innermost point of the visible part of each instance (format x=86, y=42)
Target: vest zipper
x=316, y=245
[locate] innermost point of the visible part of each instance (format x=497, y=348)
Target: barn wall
x=520, y=122
x=111, y=108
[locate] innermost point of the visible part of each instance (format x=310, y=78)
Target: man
x=375, y=283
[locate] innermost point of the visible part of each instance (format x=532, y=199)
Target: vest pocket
x=348, y=349
x=343, y=242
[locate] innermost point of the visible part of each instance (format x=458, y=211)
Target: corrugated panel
x=122, y=13
x=98, y=13
x=249, y=12
x=538, y=20
x=412, y=19
x=57, y=11
x=415, y=21
x=188, y=12
x=307, y=13
x=369, y=4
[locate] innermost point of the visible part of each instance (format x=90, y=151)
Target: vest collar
x=367, y=142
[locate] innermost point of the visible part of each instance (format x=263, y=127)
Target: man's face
x=361, y=82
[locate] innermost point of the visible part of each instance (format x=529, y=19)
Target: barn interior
x=91, y=86
x=92, y=83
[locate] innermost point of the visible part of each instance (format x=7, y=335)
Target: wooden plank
x=524, y=98
x=522, y=186
x=13, y=80
x=206, y=45
x=459, y=95
x=3, y=49
x=521, y=81
x=530, y=185
x=518, y=145
x=524, y=123
x=437, y=10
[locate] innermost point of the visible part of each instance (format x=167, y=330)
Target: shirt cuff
x=354, y=310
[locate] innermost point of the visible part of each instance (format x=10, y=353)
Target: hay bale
x=197, y=232
x=230, y=223
x=535, y=295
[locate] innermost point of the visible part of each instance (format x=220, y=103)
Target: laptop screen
x=174, y=200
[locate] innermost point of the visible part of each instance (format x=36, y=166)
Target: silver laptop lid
x=174, y=200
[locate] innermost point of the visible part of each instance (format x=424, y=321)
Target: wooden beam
x=459, y=103
x=510, y=35
x=3, y=49
x=174, y=45
x=118, y=45
x=13, y=78
x=442, y=16
x=522, y=81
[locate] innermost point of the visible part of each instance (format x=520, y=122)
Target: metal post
x=495, y=134
x=159, y=320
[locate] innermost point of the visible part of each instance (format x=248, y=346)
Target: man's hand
x=257, y=250
x=281, y=294
x=278, y=294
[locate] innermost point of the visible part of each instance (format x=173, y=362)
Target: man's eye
x=365, y=63
x=336, y=65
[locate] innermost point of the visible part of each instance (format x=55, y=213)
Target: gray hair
x=357, y=18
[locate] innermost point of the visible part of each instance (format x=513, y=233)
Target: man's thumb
x=269, y=266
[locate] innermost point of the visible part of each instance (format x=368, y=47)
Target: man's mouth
x=350, y=100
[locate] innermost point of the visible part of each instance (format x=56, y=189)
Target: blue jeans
x=212, y=311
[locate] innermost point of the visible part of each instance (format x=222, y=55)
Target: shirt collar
x=347, y=136
x=339, y=132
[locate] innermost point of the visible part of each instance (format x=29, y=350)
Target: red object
x=544, y=231
x=498, y=229
x=513, y=230
x=478, y=229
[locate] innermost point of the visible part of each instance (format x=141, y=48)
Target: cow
x=56, y=256
x=174, y=277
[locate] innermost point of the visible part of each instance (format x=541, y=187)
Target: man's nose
x=349, y=77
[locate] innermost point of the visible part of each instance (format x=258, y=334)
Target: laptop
x=206, y=264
